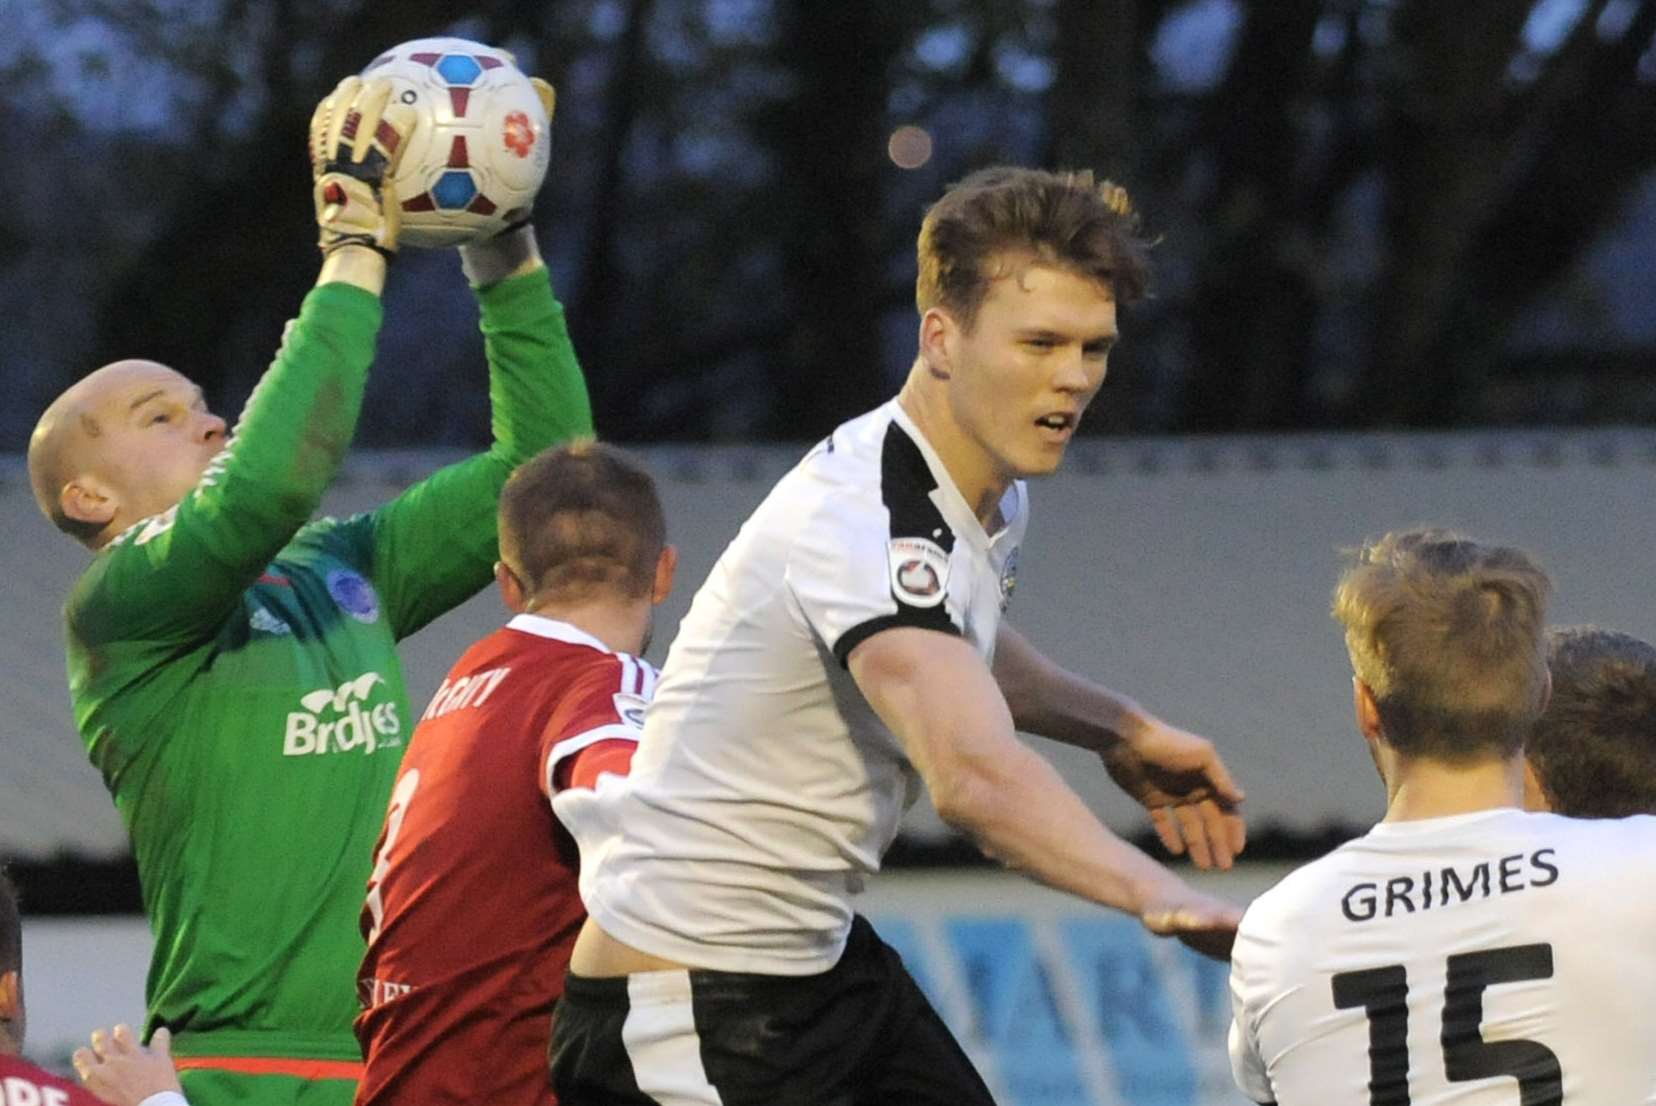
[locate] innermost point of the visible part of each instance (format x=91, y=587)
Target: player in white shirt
x=1593, y=753
x=1463, y=952
x=846, y=650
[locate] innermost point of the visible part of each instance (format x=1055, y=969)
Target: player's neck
x=973, y=472
x=621, y=625
x=1421, y=788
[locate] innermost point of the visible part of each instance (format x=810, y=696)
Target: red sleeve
x=21, y=1081
x=596, y=723
x=584, y=768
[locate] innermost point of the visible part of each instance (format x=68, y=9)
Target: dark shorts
x=859, y=1034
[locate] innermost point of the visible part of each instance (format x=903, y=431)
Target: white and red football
x=479, y=150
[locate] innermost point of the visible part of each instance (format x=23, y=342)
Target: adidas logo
x=338, y=719
x=268, y=623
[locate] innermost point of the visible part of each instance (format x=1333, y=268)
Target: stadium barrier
x=1057, y=1002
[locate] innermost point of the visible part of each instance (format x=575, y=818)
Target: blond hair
x=1447, y=634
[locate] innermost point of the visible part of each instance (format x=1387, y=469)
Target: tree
x=1358, y=200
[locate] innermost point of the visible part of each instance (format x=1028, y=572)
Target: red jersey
x=473, y=905
x=23, y=1084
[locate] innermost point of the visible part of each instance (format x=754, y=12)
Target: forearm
x=1022, y=814
x=937, y=697
x=509, y=255
x=537, y=398
x=537, y=395
x=298, y=423
x=1050, y=701
x=358, y=266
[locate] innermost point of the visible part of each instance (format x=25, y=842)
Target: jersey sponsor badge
x=919, y=571
x=630, y=709
x=339, y=719
x=1009, y=578
x=354, y=595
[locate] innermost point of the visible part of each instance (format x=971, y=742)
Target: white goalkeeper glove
x=513, y=251
x=357, y=136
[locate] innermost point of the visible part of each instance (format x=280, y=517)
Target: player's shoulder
x=571, y=650
x=871, y=471
x=1607, y=838
x=94, y=588
x=1298, y=894
x=836, y=487
x=847, y=462
x=857, y=443
x=1296, y=916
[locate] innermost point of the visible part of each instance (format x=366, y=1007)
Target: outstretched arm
x=434, y=546
x=1177, y=775
x=939, y=698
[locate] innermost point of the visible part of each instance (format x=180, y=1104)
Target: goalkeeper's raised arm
x=232, y=663
x=133, y=442
x=434, y=546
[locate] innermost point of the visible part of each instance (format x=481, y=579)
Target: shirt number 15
x=1383, y=994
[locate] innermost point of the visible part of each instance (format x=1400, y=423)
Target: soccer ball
x=479, y=150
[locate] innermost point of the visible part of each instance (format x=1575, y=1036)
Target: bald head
x=124, y=442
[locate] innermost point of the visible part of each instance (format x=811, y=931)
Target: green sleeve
x=434, y=546
x=174, y=577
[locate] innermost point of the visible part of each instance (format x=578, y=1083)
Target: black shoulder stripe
x=906, y=484
x=905, y=616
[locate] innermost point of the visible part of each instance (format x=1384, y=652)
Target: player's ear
x=938, y=331
x=11, y=997
x=1535, y=796
x=666, y=565
x=511, y=589
x=1366, y=708
x=88, y=499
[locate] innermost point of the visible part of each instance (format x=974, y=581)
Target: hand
x=512, y=251
x=1203, y=923
x=123, y=1072
x=548, y=97
x=1191, y=797
x=357, y=137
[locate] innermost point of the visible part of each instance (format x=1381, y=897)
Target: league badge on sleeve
x=919, y=571
x=630, y=708
x=354, y=595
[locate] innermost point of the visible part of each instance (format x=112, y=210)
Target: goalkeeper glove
x=357, y=137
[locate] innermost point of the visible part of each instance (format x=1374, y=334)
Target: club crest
x=1009, y=578
x=354, y=595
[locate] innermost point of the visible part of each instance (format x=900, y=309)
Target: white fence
x=1057, y=1002
x=1191, y=574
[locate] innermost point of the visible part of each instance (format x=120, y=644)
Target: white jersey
x=764, y=788
x=1490, y=959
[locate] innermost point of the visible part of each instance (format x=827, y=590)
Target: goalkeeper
x=232, y=663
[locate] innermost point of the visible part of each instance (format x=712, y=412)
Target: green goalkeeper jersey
x=235, y=678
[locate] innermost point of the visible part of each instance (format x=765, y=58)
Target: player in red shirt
x=473, y=903
x=122, y=1071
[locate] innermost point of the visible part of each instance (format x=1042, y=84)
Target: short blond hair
x=1447, y=634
